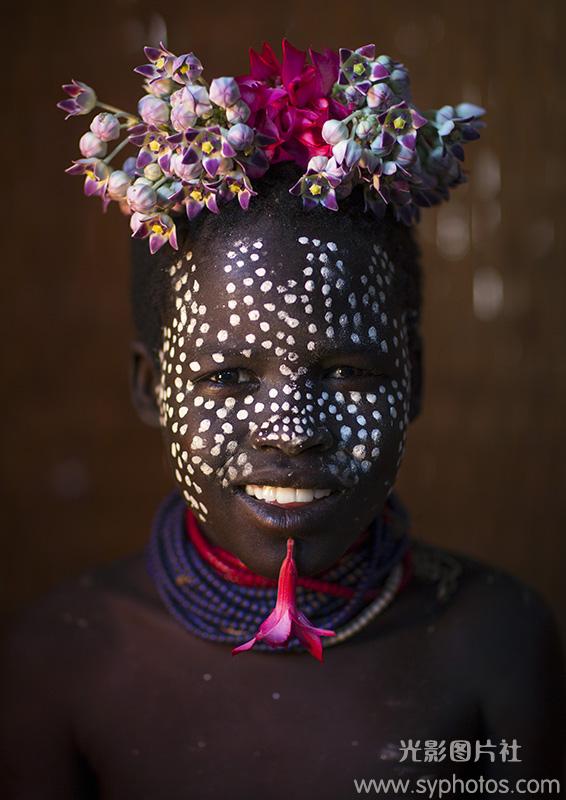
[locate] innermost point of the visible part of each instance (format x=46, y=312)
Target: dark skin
x=105, y=695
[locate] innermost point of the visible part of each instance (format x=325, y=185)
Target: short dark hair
x=151, y=286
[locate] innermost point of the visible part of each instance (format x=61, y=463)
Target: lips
x=289, y=519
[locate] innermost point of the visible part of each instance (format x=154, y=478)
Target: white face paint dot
x=231, y=288
x=222, y=336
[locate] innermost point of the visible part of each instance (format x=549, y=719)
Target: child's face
x=285, y=365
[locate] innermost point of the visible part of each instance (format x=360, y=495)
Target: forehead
x=298, y=283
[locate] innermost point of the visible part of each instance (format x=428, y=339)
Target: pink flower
x=290, y=101
x=286, y=621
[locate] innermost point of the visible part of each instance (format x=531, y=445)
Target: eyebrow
x=322, y=349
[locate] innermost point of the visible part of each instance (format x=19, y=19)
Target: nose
x=292, y=436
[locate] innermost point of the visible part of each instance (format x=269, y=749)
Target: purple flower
x=153, y=110
x=359, y=69
x=161, y=61
x=82, y=99
x=118, y=184
x=91, y=146
x=106, y=126
x=237, y=184
x=141, y=197
x=347, y=153
x=96, y=174
x=199, y=196
x=401, y=123
x=208, y=146
x=224, y=92
x=318, y=185
x=460, y=124
x=153, y=144
x=186, y=69
x=159, y=227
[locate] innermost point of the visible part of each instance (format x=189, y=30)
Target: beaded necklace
x=214, y=596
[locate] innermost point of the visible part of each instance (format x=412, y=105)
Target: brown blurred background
x=485, y=468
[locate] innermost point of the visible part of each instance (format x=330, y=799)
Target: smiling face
x=284, y=392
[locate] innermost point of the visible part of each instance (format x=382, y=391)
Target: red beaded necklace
x=235, y=571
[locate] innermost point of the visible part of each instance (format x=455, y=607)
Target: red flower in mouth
x=286, y=621
x=290, y=101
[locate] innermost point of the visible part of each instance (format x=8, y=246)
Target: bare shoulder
x=77, y=625
x=493, y=606
x=513, y=657
x=52, y=660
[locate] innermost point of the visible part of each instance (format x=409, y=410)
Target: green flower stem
x=113, y=110
x=160, y=182
x=116, y=150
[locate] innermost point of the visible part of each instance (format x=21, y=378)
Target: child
x=279, y=352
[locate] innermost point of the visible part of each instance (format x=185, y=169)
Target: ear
x=144, y=379
x=416, y=358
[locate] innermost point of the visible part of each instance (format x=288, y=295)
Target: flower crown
x=346, y=118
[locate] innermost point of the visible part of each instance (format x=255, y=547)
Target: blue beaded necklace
x=211, y=607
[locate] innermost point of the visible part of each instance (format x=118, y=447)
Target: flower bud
x=238, y=112
x=106, y=126
x=141, y=197
x=183, y=116
x=176, y=98
x=153, y=111
x=334, y=131
x=224, y=92
x=162, y=87
x=118, y=184
x=186, y=172
x=240, y=136
x=91, y=146
x=129, y=166
x=152, y=172
x=197, y=100
x=379, y=96
x=364, y=128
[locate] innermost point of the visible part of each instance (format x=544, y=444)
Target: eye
x=345, y=372
x=230, y=377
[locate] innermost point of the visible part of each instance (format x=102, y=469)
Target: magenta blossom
x=286, y=621
x=290, y=101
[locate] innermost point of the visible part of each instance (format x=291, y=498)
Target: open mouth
x=285, y=496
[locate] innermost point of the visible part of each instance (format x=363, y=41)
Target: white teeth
x=285, y=495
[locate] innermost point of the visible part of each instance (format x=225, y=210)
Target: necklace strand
x=203, y=599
